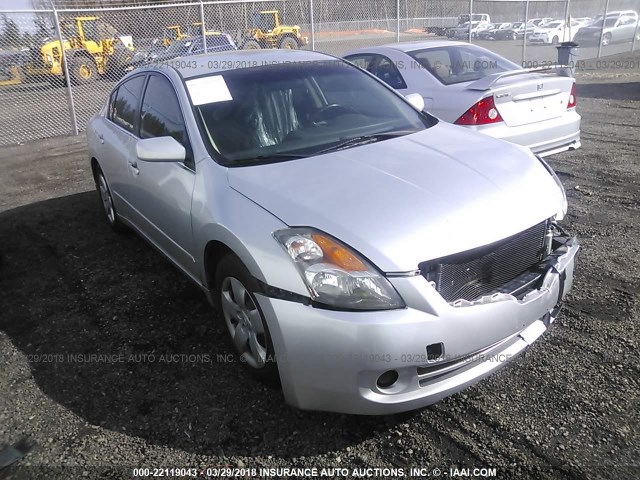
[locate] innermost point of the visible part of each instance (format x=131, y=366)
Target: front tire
x=288, y=43
x=244, y=321
x=251, y=45
x=83, y=70
x=555, y=40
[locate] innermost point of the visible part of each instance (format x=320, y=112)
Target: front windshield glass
x=291, y=110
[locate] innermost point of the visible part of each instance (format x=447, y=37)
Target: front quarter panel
x=221, y=214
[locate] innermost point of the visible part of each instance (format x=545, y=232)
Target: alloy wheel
x=244, y=322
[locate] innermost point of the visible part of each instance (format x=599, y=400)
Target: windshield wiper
x=364, y=140
x=273, y=157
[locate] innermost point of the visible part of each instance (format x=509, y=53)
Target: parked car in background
x=369, y=256
x=517, y=31
x=616, y=28
x=462, y=32
x=216, y=42
x=474, y=87
x=555, y=32
x=493, y=32
x=464, y=19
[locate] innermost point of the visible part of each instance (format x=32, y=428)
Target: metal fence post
x=635, y=35
x=567, y=20
x=524, y=36
x=604, y=19
x=67, y=78
x=202, y=27
x=313, y=27
x=470, y=18
x=397, y=20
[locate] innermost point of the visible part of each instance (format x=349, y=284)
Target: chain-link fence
x=59, y=60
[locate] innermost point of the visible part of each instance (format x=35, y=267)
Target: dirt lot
x=68, y=286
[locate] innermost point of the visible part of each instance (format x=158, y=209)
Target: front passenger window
x=161, y=115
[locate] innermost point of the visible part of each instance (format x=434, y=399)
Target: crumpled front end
x=391, y=361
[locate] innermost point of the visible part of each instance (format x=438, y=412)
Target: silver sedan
x=474, y=87
x=367, y=256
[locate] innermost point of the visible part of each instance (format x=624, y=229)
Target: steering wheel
x=331, y=111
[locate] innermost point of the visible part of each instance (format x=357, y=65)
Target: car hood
x=406, y=200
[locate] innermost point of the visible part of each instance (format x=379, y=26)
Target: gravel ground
x=168, y=391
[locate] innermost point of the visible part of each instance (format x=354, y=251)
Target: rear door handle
x=101, y=137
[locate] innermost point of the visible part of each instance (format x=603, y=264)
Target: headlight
x=49, y=58
x=565, y=204
x=335, y=275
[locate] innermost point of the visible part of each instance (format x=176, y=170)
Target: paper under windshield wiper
x=364, y=139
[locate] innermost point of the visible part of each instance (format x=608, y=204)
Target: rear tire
x=235, y=289
x=104, y=192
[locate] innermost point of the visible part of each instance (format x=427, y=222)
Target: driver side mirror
x=416, y=100
x=160, y=149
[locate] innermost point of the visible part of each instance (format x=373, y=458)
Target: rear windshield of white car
x=291, y=110
x=457, y=63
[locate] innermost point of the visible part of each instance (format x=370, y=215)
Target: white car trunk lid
x=531, y=98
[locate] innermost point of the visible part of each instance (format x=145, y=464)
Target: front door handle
x=134, y=167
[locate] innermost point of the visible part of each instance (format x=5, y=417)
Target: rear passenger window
x=124, y=107
x=161, y=115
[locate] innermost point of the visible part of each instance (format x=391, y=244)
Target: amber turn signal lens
x=338, y=255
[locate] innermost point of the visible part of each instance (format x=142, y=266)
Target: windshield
x=292, y=110
x=610, y=22
x=457, y=64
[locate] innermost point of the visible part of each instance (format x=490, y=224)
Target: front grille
x=482, y=271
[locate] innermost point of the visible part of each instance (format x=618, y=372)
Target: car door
x=624, y=30
x=117, y=136
x=161, y=192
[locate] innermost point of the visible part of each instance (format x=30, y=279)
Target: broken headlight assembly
x=563, y=210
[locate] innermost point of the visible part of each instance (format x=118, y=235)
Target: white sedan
x=555, y=32
x=474, y=87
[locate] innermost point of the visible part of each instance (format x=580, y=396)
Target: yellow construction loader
x=268, y=32
x=92, y=48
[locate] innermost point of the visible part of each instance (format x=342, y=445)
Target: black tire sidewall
x=231, y=266
x=288, y=39
x=116, y=225
x=75, y=63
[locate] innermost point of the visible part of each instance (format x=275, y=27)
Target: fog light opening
x=435, y=351
x=387, y=379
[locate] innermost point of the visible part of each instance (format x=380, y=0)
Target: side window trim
x=114, y=94
x=190, y=164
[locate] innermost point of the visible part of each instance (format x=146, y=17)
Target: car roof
x=238, y=59
x=412, y=46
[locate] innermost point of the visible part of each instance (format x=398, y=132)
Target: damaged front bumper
x=335, y=360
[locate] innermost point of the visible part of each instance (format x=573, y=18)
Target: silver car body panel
x=397, y=202
x=533, y=104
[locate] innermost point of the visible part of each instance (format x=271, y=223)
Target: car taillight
x=573, y=98
x=482, y=113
